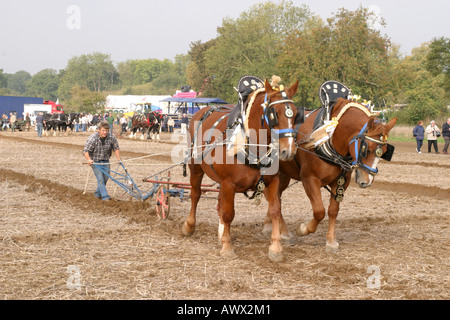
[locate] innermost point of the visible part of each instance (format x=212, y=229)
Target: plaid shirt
x=98, y=151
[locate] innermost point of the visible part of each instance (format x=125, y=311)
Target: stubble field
x=58, y=243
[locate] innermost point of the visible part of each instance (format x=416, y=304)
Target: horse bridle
x=270, y=116
x=362, y=148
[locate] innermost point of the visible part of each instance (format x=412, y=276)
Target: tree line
x=268, y=38
x=87, y=79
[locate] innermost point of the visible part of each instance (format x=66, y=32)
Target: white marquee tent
x=128, y=103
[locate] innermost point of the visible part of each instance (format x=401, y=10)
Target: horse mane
x=249, y=108
x=378, y=129
x=351, y=104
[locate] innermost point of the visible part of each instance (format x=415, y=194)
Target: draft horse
x=156, y=120
x=268, y=112
x=358, y=143
x=55, y=122
x=147, y=122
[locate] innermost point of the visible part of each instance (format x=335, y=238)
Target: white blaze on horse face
x=374, y=167
x=291, y=142
x=291, y=139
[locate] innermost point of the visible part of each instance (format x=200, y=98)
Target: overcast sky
x=35, y=35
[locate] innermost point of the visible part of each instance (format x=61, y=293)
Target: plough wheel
x=162, y=203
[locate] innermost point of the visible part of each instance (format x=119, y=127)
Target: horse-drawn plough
x=162, y=189
x=298, y=139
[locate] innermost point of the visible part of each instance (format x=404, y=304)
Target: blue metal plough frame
x=126, y=182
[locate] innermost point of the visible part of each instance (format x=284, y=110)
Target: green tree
x=126, y=72
x=3, y=81
x=251, y=44
x=180, y=64
x=17, y=82
x=420, y=90
x=438, y=62
x=95, y=72
x=168, y=82
x=3, y=84
x=345, y=48
x=84, y=100
x=44, y=84
x=196, y=71
x=149, y=69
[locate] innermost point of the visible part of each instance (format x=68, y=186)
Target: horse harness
x=270, y=116
x=246, y=86
x=329, y=93
x=328, y=153
x=144, y=118
x=260, y=185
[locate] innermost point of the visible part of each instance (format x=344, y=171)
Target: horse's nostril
x=286, y=155
x=364, y=185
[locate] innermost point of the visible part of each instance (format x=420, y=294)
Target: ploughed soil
x=57, y=241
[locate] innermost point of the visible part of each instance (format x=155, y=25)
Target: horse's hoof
x=276, y=256
x=332, y=247
x=228, y=254
x=186, y=232
x=302, y=230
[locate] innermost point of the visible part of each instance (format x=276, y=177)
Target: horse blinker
x=272, y=117
x=389, y=153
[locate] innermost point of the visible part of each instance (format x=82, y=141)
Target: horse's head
x=368, y=147
x=279, y=115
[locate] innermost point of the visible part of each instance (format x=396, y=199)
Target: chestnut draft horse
x=268, y=112
x=358, y=143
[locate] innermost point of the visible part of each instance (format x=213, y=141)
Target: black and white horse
x=55, y=122
x=72, y=119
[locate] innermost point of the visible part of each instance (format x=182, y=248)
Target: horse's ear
x=391, y=124
x=268, y=87
x=293, y=89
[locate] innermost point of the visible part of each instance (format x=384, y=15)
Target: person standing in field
x=446, y=135
x=12, y=121
x=97, y=151
x=419, y=134
x=433, y=133
x=171, y=124
x=184, y=123
x=40, y=122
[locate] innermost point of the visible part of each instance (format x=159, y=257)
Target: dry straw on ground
x=57, y=243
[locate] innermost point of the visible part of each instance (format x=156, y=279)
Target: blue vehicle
x=11, y=104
